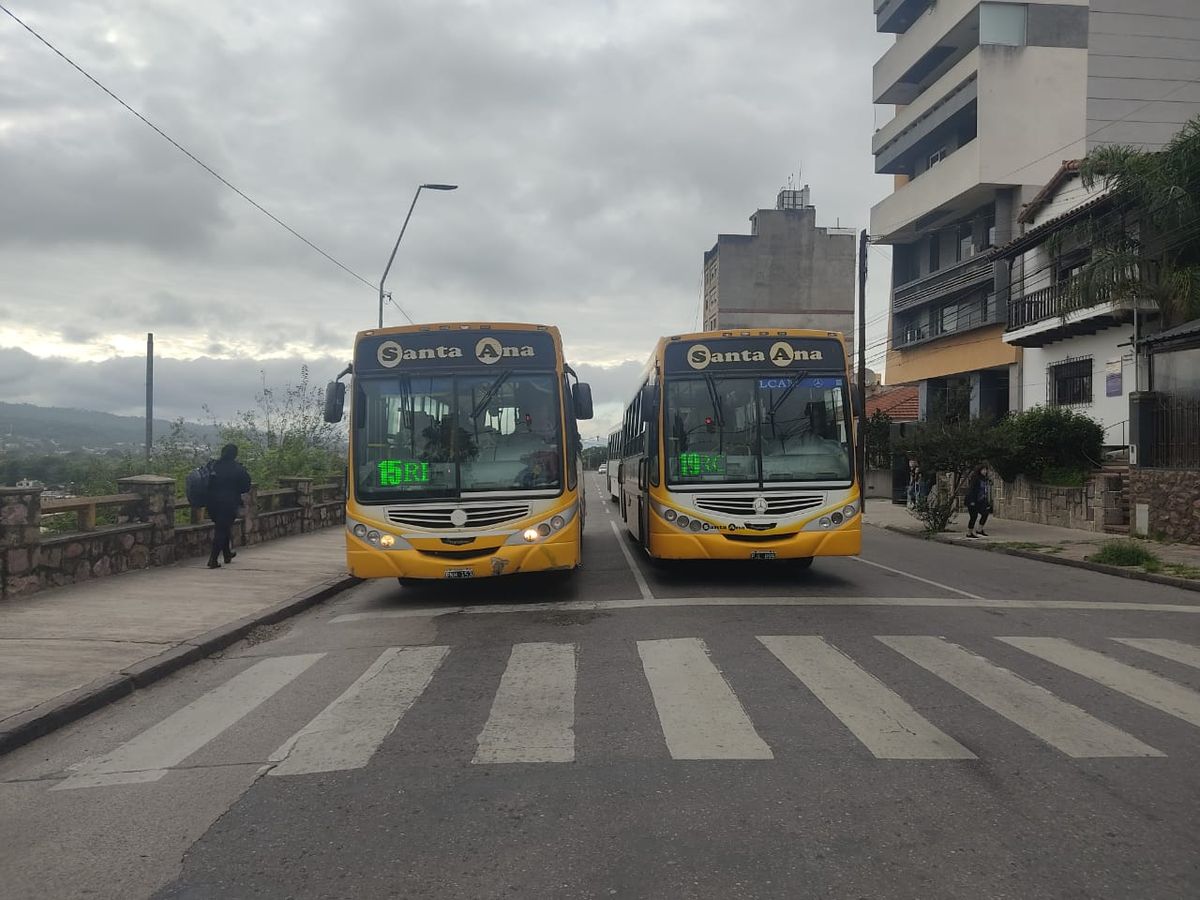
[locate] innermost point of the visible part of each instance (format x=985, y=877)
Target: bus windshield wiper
x=490, y=393
x=715, y=399
x=787, y=392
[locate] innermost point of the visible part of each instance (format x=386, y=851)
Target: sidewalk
x=66, y=652
x=1179, y=564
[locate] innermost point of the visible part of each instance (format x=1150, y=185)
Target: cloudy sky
x=600, y=146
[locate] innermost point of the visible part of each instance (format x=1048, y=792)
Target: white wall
x=1108, y=411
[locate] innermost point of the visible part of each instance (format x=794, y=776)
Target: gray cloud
x=600, y=149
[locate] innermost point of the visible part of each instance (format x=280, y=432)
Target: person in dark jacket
x=228, y=482
x=978, y=500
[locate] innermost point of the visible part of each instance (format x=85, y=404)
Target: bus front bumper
x=558, y=552
x=844, y=541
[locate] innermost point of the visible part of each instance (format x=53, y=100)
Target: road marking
x=700, y=715
x=936, y=584
x=346, y=734
x=533, y=716
x=637, y=574
x=1172, y=650
x=148, y=756
x=876, y=715
x=1146, y=687
x=650, y=602
x=1030, y=706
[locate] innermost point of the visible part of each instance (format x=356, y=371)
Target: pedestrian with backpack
x=227, y=481
x=978, y=500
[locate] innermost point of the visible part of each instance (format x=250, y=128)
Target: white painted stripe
x=1030, y=706
x=876, y=715
x=623, y=543
x=701, y=717
x=148, y=756
x=346, y=734
x=1153, y=690
x=1172, y=650
x=799, y=601
x=936, y=584
x=533, y=716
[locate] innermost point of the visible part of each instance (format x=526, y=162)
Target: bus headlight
x=557, y=522
x=683, y=521
x=373, y=537
x=360, y=531
x=670, y=515
x=850, y=511
x=826, y=522
x=695, y=525
x=531, y=535
x=837, y=518
x=387, y=540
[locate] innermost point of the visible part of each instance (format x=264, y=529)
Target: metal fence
x=1176, y=433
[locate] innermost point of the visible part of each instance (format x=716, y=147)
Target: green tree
x=1050, y=444
x=877, y=432
x=947, y=450
x=1149, y=246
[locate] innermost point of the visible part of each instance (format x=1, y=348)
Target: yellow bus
x=740, y=445
x=465, y=456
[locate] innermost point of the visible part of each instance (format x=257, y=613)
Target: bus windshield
x=442, y=435
x=748, y=428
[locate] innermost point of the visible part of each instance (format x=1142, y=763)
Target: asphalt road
x=927, y=721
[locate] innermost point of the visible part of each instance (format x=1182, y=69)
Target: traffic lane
x=998, y=575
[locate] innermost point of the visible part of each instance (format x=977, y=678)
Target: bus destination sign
x=755, y=354
x=454, y=349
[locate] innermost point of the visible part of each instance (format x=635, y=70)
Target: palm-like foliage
x=1149, y=246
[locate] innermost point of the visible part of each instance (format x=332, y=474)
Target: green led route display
x=697, y=464
x=396, y=472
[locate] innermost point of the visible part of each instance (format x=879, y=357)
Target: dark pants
x=222, y=531
x=979, y=510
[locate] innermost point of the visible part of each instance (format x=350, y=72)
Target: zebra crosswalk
x=532, y=714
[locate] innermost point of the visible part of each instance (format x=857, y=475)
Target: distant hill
x=26, y=427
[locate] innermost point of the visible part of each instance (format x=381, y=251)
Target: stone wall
x=1087, y=508
x=148, y=536
x=1166, y=503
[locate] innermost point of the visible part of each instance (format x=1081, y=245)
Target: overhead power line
x=192, y=156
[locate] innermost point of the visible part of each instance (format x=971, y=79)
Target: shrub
x=1125, y=553
x=1048, y=442
x=877, y=432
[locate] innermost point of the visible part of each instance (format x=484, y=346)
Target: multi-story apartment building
x=990, y=98
x=787, y=273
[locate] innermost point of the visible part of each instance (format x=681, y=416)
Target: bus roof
x=752, y=332
x=433, y=327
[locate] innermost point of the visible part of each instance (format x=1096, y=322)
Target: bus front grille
x=445, y=517
x=744, y=504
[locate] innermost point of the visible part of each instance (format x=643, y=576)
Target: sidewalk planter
x=145, y=533
x=1087, y=508
x=1166, y=503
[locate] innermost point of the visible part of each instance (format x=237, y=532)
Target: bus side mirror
x=649, y=402
x=335, y=401
x=581, y=394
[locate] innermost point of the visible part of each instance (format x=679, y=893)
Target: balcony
x=949, y=190
x=897, y=16
x=947, y=283
x=990, y=313
x=1059, y=312
x=918, y=116
x=935, y=42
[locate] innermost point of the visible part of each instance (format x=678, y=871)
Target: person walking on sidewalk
x=228, y=481
x=978, y=500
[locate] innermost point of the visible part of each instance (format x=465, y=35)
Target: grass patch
x=1059, y=476
x=1022, y=545
x=1126, y=553
x=1180, y=570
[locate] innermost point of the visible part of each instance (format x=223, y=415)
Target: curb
x=1168, y=580
x=66, y=708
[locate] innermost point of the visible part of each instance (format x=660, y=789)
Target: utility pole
x=149, y=396
x=863, y=244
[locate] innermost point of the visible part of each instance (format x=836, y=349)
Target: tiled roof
x=900, y=403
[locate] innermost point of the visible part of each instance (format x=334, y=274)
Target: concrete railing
x=145, y=531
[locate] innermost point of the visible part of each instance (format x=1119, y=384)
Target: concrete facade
x=991, y=96
x=787, y=273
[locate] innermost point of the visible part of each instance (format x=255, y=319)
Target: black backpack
x=198, y=483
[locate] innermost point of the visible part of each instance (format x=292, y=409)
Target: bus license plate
x=762, y=554
x=460, y=573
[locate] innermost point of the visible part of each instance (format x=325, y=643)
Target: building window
x=935, y=251
x=949, y=317
x=1002, y=24
x=937, y=157
x=1069, y=382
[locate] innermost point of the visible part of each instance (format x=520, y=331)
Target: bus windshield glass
x=760, y=429
x=442, y=435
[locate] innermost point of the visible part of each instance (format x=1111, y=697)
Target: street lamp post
x=422, y=187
